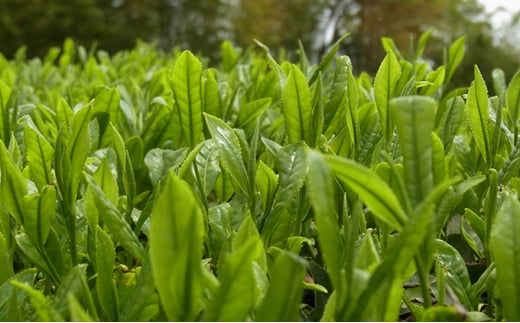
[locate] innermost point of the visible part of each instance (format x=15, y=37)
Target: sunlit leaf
x=186, y=83
x=176, y=241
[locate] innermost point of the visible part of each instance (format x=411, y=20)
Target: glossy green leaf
x=283, y=297
x=39, y=157
x=237, y=295
x=105, y=285
x=176, y=242
x=414, y=117
x=12, y=185
x=385, y=83
x=230, y=151
x=39, y=214
x=267, y=183
x=186, y=84
x=477, y=113
x=116, y=223
x=376, y=193
x=107, y=181
x=457, y=276
x=476, y=223
x=506, y=252
x=337, y=92
x=160, y=161
x=296, y=98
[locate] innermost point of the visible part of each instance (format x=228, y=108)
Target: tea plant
x=149, y=186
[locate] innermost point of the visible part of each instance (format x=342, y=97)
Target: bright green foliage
x=506, y=253
x=147, y=186
x=177, y=233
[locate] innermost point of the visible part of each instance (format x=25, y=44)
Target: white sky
x=504, y=10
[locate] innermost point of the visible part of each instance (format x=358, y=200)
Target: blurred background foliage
x=201, y=25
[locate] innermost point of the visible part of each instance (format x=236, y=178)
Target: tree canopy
x=201, y=25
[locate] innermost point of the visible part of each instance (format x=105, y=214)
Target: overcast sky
x=504, y=10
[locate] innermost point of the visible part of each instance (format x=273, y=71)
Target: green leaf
x=476, y=223
x=400, y=253
x=6, y=264
x=237, y=294
x=296, y=98
x=107, y=180
x=414, y=117
x=455, y=57
x=422, y=43
x=143, y=303
x=513, y=103
x=39, y=157
x=115, y=221
x=176, y=242
x=5, y=128
x=444, y=314
x=230, y=151
x=186, y=84
x=211, y=99
x=12, y=185
x=321, y=193
x=457, y=275
x=327, y=59
x=477, y=112
x=105, y=285
x=249, y=113
x=39, y=214
x=505, y=246
x=385, y=82
x=41, y=305
x=77, y=313
x=74, y=284
x=375, y=192
x=283, y=297
x=160, y=161
x=106, y=108
x=10, y=295
x=452, y=120
x=266, y=183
